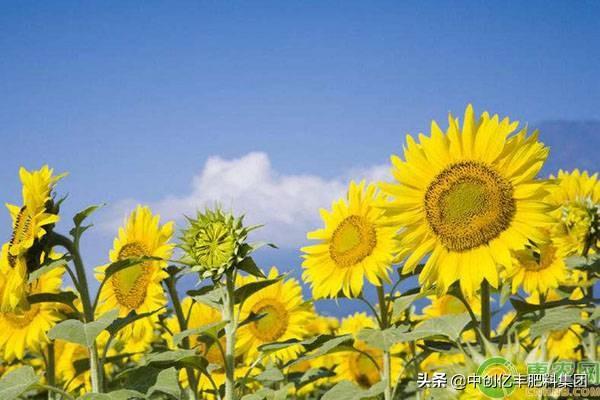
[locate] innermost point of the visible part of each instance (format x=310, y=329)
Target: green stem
x=387, y=360
x=230, y=332
x=88, y=310
x=590, y=238
x=486, y=312
x=185, y=343
x=51, y=369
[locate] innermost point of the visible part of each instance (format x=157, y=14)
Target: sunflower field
x=471, y=265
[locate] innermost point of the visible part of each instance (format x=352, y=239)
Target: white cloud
x=286, y=204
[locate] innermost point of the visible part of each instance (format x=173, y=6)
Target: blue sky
x=134, y=98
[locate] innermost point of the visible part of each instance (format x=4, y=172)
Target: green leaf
x=382, y=340
x=450, y=326
x=313, y=375
x=211, y=330
x=405, y=301
x=120, y=265
x=556, y=319
x=167, y=382
x=322, y=345
x=242, y=293
x=17, y=382
x=212, y=298
x=47, y=267
x=349, y=391
x=271, y=374
x=85, y=334
x=276, y=346
x=67, y=298
x=82, y=215
x=123, y=394
x=589, y=263
x=505, y=293
x=248, y=265
x=121, y=323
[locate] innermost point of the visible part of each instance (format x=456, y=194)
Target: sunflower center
x=539, y=261
x=214, y=245
x=22, y=320
x=22, y=231
x=352, y=241
x=364, y=371
x=274, y=322
x=130, y=284
x=469, y=204
x=558, y=335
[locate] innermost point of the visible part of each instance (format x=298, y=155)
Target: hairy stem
x=387, y=361
x=86, y=303
x=230, y=332
x=51, y=369
x=486, y=312
x=185, y=343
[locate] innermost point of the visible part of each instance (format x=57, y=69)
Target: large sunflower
x=285, y=316
x=25, y=331
x=29, y=225
x=356, y=242
x=364, y=367
x=576, y=196
x=138, y=288
x=466, y=198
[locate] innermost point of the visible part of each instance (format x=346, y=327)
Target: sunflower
x=466, y=199
x=576, y=196
x=356, y=242
x=26, y=331
x=138, y=288
x=363, y=367
x=285, y=316
x=538, y=268
x=449, y=305
x=199, y=315
x=66, y=355
x=29, y=225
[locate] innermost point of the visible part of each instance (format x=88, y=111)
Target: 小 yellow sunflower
x=466, y=198
x=285, y=317
x=24, y=332
x=576, y=198
x=138, y=288
x=357, y=242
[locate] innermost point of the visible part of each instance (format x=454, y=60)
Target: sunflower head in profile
x=284, y=313
x=467, y=197
x=213, y=241
x=576, y=198
x=357, y=241
x=25, y=331
x=138, y=288
x=30, y=223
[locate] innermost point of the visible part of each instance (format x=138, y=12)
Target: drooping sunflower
x=357, y=242
x=285, y=317
x=138, y=288
x=30, y=221
x=576, y=197
x=466, y=198
x=25, y=331
x=363, y=368
x=538, y=268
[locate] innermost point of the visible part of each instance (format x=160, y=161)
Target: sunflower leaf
x=450, y=326
x=403, y=302
x=121, y=323
x=47, y=267
x=166, y=382
x=248, y=265
x=15, y=383
x=122, y=394
x=120, y=265
x=556, y=319
x=85, y=334
x=350, y=391
x=271, y=374
x=212, y=330
x=243, y=292
x=382, y=339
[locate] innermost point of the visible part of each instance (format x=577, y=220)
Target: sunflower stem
x=51, y=369
x=384, y=323
x=185, y=343
x=86, y=303
x=230, y=332
x=486, y=312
